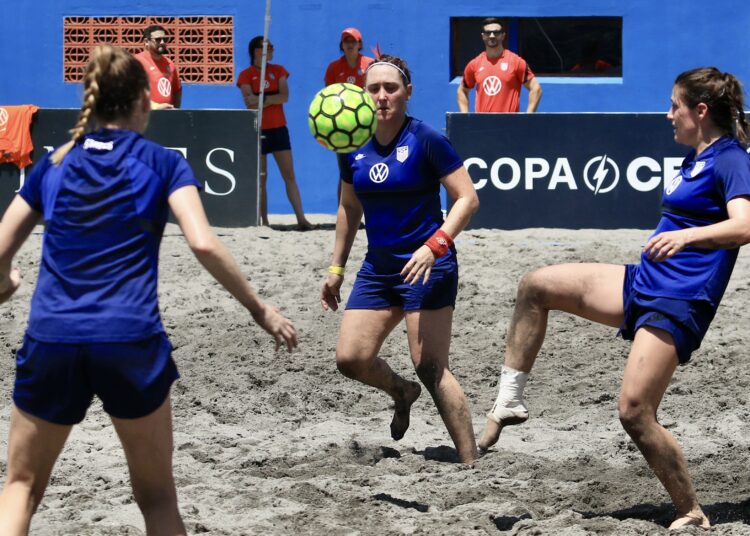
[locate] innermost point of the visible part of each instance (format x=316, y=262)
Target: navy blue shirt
x=399, y=188
x=696, y=197
x=105, y=208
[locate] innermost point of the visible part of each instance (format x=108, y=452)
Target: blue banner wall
x=220, y=146
x=603, y=171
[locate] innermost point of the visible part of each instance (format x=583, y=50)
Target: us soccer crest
x=504, y=66
x=402, y=153
x=699, y=165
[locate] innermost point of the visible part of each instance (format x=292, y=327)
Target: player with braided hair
x=94, y=320
x=666, y=303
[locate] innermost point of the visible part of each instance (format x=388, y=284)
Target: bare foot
x=692, y=519
x=305, y=225
x=400, y=422
x=492, y=429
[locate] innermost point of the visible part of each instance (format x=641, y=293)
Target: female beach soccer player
x=410, y=270
x=275, y=134
x=664, y=304
x=94, y=326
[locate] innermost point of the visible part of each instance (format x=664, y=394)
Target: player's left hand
x=10, y=284
x=419, y=266
x=665, y=245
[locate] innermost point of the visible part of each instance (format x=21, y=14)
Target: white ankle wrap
x=509, y=405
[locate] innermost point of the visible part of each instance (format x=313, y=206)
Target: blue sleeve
x=31, y=191
x=441, y=155
x=182, y=175
x=347, y=175
x=732, y=171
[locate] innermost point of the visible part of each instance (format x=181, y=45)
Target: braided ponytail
x=113, y=83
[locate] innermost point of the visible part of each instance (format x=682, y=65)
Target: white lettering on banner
x=530, y=173
x=671, y=168
x=632, y=174
x=562, y=174
x=181, y=150
x=601, y=174
x=481, y=183
x=220, y=171
x=515, y=174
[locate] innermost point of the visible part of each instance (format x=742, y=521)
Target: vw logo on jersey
x=673, y=184
x=601, y=181
x=3, y=117
x=350, y=80
x=492, y=85
x=697, y=168
x=165, y=87
x=378, y=172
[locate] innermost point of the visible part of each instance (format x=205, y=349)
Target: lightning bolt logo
x=601, y=174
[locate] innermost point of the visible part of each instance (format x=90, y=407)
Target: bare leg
x=650, y=366
x=429, y=341
x=263, y=190
x=592, y=291
x=362, y=334
x=33, y=447
x=147, y=442
x=286, y=168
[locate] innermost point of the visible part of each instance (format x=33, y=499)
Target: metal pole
x=261, y=97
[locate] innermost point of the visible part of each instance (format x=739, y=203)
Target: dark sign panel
x=602, y=171
x=220, y=145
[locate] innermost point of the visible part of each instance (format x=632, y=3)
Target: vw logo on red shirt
x=379, y=172
x=165, y=87
x=492, y=85
x=3, y=117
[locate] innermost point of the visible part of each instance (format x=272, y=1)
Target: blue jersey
x=696, y=197
x=104, y=208
x=399, y=188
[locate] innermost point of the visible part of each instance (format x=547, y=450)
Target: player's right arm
x=15, y=227
x=216, y=258
x=347, y=222
x=250, y=98
x=462, y=97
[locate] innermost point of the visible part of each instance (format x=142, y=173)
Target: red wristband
x=439, y=243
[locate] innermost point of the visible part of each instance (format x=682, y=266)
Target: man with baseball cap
x=498, y=75
x=349, y=68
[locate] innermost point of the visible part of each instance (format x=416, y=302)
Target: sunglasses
x=159, y=39
x=491, y=32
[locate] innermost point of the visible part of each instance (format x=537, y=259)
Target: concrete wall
x=660, y=39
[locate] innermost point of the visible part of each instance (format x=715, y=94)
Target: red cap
x=351, y=32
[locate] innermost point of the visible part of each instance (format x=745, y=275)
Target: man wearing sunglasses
x=164, y=81
x=498, y=75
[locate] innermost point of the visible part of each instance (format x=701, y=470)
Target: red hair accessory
x=439, y=243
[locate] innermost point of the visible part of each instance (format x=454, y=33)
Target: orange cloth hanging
x=15, y=134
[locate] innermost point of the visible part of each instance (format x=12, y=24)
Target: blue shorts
x=57, y=381
x=687, y=321
x=375, y=291
x=275, y=139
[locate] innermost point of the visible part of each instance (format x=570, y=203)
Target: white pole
x=261, y=97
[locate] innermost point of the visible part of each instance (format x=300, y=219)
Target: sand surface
x=277, y=443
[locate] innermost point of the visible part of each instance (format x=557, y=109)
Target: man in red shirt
x=164, y=81
x=498, y=75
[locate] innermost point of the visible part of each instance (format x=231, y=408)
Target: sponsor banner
x=220, y=145
x=602, y=171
